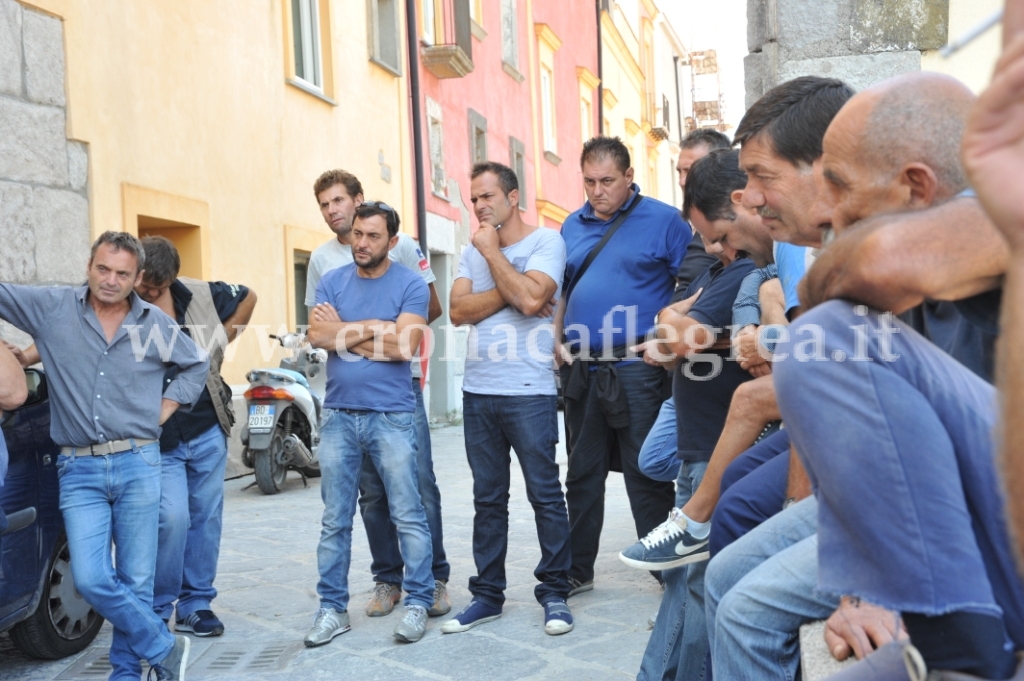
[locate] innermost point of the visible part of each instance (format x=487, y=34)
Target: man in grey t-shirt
x=338, y=194
x=507, y=284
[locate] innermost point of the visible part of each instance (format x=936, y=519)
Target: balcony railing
x=452, y=54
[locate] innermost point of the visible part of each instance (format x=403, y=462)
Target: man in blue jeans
x=339, y=193
x=695, y=329
x=106, y=352
x=776, y=566
x=370, y=316
x=193, y=445
x=507, y=281
x=924, y=452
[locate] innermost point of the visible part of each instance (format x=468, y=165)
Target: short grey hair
x=922, y=119
x=122, y=241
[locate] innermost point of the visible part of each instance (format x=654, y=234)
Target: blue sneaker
x=557, y=618
x=477, y=612
x=201, y=623
x=668, y=545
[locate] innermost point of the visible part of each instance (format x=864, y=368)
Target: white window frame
x=308, y=34
x=547, y=107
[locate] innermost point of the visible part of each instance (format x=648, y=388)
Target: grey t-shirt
x=510, y=353
x=334, y=254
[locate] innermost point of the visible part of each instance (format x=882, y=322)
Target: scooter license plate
x=261, y=418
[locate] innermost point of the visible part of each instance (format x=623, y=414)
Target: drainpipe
x=417, y=125
x=679, y=101
x=600, y=73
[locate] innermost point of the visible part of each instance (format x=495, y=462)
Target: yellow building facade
x=208, y=122
x=641, y=103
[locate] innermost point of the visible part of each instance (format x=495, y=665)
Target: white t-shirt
x=509, y=353
x=334, y=254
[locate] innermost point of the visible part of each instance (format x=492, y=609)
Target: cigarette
x=971, y=35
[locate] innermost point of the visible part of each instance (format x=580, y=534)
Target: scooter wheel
x=270, y=474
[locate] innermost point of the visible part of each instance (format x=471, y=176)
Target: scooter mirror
x=291, y=341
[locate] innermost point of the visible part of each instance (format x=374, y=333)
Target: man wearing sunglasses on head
x=338, y=193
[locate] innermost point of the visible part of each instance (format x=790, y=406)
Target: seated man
x=903, y=426
x=704, y=382
x=760, y=589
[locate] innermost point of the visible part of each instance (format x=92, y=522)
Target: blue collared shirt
x=102, y=391
x=632, y=278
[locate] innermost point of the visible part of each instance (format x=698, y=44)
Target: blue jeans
x=678, y=647
x=658, y=456
x=116, y=498
x=191, y=507
x=900, y=453
x=493, y=425
x=760, y=590
x=373, y=505
x=753, y=490
x=389, y=441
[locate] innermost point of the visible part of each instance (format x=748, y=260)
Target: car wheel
x=63, y=623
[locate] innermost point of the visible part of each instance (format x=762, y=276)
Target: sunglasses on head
x=378, y=204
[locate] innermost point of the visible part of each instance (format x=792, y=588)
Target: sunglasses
x=378, y=204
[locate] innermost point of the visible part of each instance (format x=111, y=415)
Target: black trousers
x=592, y=444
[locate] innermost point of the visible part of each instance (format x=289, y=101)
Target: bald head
x=917, y=117
x=893, y=147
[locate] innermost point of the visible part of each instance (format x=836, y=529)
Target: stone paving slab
x=267, y=583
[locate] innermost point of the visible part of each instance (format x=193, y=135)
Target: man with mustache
x=942, y=555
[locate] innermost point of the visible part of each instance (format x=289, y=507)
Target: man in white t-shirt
x=339, y=193
x=507, y=284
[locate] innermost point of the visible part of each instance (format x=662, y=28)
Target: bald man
x=895, y=434
x=766, y=581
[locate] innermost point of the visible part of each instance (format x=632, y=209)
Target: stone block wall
x=858, y=41
x=44, y=201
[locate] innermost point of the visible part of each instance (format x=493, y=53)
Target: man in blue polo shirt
x=612, y=400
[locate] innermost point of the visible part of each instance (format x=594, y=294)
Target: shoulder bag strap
x=596, y=250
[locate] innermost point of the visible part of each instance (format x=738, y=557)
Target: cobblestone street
x=267, y=584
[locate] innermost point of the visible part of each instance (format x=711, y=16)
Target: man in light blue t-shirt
x=370, y=316
x=507, y=285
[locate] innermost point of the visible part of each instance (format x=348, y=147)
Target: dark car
x=39, y=605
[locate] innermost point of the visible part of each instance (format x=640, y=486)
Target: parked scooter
x=282, y=431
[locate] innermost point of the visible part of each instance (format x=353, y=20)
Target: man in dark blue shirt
x=612, y=402
x=193, y=445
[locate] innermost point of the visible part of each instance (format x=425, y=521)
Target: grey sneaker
x=578, y=587
x=172, y=667
x=413, y=624
x=327, y=624
x=441, y=606
x=385, y=597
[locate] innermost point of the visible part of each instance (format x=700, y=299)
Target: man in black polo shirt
x=193, y=445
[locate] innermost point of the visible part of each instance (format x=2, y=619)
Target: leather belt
x=105, y=448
